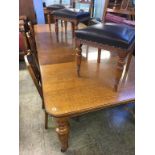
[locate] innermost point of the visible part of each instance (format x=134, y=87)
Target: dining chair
x=73, y=15
x=48, y=11
x=23, y=42
x=28, y=35
x=25, y=26
x=35, y=74
x=32, y=46
x=115, y=37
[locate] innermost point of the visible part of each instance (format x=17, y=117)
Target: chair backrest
x=31, y=29
x=120, y=8
x=23, y=38
x=34, y=72
x=33, y=47
x=25, y=26
x=90, y=2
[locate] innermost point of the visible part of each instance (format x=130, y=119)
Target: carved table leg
x=63, y=132
x=78, y=58
x=56, y=27
x=65, y=22
x=49, y=20
x=99, y=55
x=119, y=69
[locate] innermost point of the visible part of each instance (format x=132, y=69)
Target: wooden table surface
x=67, y=95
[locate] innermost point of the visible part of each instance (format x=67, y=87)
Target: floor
x=106, y=132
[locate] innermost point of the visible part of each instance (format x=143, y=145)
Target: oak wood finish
x=63, y=132
x=65, y=94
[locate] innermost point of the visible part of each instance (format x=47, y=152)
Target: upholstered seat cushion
x=112, y=34
x=55, y=7
x=72, y=13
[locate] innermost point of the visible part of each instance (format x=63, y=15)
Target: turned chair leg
x=43, y=106
x=56, y=27
x=128, y=62
x=65, y=23
x=78, y=58
x=76, y=27
x=49, y=20
x=61, y=23
x=99, y=55
x=63, y=132
x=46, y=120
x=87, y=50
x=73, y=29
x=119, y=69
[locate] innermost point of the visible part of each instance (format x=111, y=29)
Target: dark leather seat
x=55, y=7
x=112, y=34
x=72, y=13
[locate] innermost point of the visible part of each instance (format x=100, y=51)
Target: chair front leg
x=46, y=120
x=49, y=20
x=119, y=70
x=73, y=29
x=63, y=132
x=78, y=57
x=128, y=62
x=61, y=23
x=56, y=27
x=99, y=55
x=65, y=22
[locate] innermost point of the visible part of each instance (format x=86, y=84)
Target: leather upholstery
x=112, y=34
x=72, y=13
x=55, y=7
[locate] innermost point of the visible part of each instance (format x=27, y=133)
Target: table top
x=66, y=94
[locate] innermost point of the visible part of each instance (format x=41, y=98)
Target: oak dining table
x=66, y=95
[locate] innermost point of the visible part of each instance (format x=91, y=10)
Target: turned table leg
x=49, y=20
x=56, y=27
x=99, y=55
x=63, y=132
x=78, y=58
x=119, y=69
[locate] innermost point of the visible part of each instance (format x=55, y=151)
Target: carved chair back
x=24, y=40
x=26, y=26
x=31, y=29
x=34, y=71
x=120, y=8
x=33, y=47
